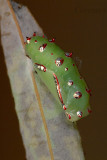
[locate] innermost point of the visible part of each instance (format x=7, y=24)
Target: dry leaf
x=45, y=131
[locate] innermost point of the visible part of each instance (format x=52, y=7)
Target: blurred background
x=79, y=27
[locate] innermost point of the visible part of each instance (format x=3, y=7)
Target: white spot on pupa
x=59, y=61
x=39, y=66
x=70, y=83
x=28, y=41
x=66, y=69
x=42, y=68
x=68, y=115
x=77, y=95
x=41, y=49
x=79, y=114
x=57, y=87
x=68, y=54
x=64, y=107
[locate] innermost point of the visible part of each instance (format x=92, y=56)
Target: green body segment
x=56, y=77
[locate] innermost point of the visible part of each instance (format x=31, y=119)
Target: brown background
x=81, y=27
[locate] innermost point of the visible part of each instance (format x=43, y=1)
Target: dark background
x=81, y=27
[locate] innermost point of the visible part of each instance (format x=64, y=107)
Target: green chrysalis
x=60, y=74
